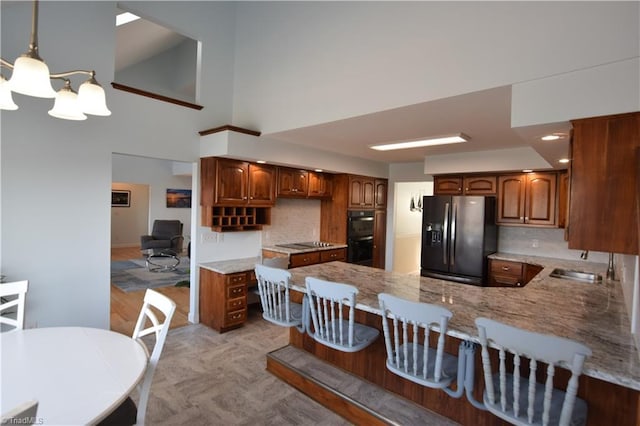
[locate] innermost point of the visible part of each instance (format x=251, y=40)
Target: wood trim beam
x=155, y=96
x=231, y=128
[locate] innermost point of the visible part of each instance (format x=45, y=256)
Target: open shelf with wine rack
x=235, y=218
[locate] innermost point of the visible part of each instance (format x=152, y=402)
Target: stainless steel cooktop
x=305, y=245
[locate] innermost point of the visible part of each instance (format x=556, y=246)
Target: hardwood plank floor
x=125, y=307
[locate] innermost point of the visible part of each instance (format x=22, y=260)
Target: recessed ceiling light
x=554, y=137
x=125, y=18
x=261, y=162
x=563, y=160
x=319, y=170
x=527, y=171
x=439, y=140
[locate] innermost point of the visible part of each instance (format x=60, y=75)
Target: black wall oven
x=360, y=237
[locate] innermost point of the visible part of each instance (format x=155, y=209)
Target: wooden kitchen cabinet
x=292, y=182
x=361, y=192
x=320, y=185
x=603, y=187
x=379, y=238
x=527, y=199
x=479, y=185
x=226, y=182
x=380, y=196
x=503, y=273
x=465, y=185
x=304, y=259
x=333, y=255
x=309, y=258
x=447, y=185
x=236, y=195
x=223, y=299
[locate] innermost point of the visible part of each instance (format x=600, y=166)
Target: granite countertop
x=593, y=314
x=232, y=266
x=289, y=251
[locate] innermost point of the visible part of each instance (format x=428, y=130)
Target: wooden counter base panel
x=608, y=403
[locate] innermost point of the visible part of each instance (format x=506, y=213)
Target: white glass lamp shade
x=31, y=77
x=66, y=105
x=92, y=99
x=6, y=100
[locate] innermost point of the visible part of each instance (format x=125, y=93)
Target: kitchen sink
x=571, y=274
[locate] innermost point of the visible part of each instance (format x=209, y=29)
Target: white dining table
x=78, y=375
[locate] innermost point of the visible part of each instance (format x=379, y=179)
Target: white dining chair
x=327, y=302
x=19, y=290
x=521, y=400
x=273, y=286
x=407, y=328
x=127, y=413
x=23, y=414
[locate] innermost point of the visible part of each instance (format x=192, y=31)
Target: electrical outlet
x=209, y=238
x=535, y=243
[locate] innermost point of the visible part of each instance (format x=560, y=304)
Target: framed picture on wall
x=120, y=198
x=179, y=198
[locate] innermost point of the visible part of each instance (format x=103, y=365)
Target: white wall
x=129, y=222
x=408, y=226
x=56, y=174
x=352, y=58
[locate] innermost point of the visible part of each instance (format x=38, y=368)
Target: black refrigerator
x=458, y=233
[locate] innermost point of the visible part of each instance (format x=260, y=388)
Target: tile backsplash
x=293, y=220
x=546, y=242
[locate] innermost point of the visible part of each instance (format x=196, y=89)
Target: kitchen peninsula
x=593, y=314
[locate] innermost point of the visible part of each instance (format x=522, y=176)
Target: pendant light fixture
x=31, y=77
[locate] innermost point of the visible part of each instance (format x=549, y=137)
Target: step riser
x=335, y=401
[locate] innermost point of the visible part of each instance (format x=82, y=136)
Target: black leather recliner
x=166, y=234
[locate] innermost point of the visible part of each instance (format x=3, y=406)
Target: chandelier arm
x=6, y=63
x=68, y=73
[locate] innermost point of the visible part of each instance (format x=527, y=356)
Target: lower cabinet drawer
x=234, y=291
x=496, y=280
x=236, y=317
x=304, y=259
x=332, y=255
x=235, y=304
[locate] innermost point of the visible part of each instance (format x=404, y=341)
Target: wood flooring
x=125, y=307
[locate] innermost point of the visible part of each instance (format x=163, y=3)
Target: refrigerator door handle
x=445, y=234
x=454, y=218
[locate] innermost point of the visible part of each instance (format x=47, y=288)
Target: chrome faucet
x=611, y=270
x=584, y=255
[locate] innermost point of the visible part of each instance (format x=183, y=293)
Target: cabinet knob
x=526, y=218
x=521, y=218
x=505, y=268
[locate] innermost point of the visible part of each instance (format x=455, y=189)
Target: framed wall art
x=120, y=198
x=180, y=198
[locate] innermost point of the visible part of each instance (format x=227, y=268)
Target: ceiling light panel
x=439, y=140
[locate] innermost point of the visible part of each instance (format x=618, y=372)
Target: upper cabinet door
x=479, y=185
x=511, y=199
x=320, y=185
x=361, y=192
x=262, y=184
x=380, y=193
x=540, y=199
x=604, y=179
x=447, y=185
x=292, y=182
x=527, y=199
x=232, y=182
